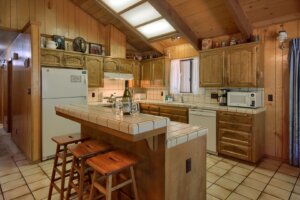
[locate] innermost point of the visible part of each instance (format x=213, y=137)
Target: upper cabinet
x=136, y=71
x=94, y=66
x=118, y=65
x=234, y=66
x=212, y=66
x=154, y=72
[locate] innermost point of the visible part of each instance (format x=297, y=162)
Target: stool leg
x=133, y=183
x=81, y=179
x=53, y=172
x=108, y=187
x=62, y=187
x=92, y=193
x=71, y=178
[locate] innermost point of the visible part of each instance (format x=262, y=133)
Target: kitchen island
x=172, y=156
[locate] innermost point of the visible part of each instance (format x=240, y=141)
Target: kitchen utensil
x=51, y=44
x=222, y=97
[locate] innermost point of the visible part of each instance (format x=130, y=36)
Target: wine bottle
x=126, y=99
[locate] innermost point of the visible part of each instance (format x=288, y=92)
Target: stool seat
x=112, y=162
x=88, y=148
x=68, y=139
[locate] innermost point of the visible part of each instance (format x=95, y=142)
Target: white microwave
x=245, y=99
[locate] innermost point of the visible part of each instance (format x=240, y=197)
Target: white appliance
x=207, y=119
x=245, y=99
x=60, y=87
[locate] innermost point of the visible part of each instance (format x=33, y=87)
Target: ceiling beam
x=239, y=16
x=166, y=10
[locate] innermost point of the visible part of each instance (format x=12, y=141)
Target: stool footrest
x=121, y=185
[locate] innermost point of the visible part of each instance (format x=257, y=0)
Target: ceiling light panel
x=119, y=5
x=156, y=28
x=141, y=14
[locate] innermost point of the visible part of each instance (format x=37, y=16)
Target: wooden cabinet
x=177, y=114
x=94, y=66
x=73, y=60
x=212, y=66
x=51, y=58
x=117, y=65
x=241, y=135
x=234, y=66
x=136, y=71
x=154, y=72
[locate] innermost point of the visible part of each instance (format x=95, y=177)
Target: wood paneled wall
x=181, y=51
x=115, y=42
x=57, y=17
x=1, y=94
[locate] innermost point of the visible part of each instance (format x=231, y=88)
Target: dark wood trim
x=166, y=10
x=239, y=17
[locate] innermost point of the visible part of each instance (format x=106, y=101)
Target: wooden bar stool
x=81, y=152
x=62, y=154
x=110, y=164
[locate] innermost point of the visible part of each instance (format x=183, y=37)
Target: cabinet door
x=73, y=60
x=242, y=67
x=110, y=65
x=212, y=68
x=94, y=66
x=51, y=58
x=136, y=74
x=146, y=73
x=158, y=72
x=125, y=66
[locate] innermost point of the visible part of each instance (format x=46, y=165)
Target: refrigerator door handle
x=29, y=91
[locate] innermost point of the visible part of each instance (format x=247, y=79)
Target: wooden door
x=242, y=67
x=125, y=66
x=72, y=60
x=94, y=66
x=1, y=93
x=212, y=68
x=158, y=72
x=51, y=58
x=146, y=73
x=110, y=65
x=7, y=97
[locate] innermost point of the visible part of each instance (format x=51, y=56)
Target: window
x=186, y=76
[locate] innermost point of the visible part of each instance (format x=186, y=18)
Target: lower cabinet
x=177, y=114
x=241, y=135
x=94, y=66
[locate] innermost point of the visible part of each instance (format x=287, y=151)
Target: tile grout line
x=298, y=177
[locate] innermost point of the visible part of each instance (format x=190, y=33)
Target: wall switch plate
x=270, y=97
x=214, y=95
x=188, y=165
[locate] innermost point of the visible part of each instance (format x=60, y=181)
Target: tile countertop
x=179, y=133
x=206, y=106
x=103, y=116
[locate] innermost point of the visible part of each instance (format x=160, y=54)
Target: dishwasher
x=207, y=119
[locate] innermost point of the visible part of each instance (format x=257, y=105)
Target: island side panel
x=179, y=184
x=150, y=172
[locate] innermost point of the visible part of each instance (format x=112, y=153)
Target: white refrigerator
x=60, y=87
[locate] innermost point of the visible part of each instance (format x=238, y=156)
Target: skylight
x=157, y=28
x=119, y=5
x=141, y=14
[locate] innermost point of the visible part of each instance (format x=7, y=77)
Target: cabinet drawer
x=237, y=137
x=236, y=126
x=235, y=150
x=178, y=118
x=49, y=58
x=154, y=108
x=235, y=117
x=144, y=107
x=174, y=111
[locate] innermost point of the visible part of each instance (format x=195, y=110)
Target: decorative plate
x=79, y=44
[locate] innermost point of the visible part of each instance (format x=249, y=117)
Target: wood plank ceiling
x=206, y=18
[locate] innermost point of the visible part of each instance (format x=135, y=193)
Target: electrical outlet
x=270, y=97
x=93, y=94
x=161, y=93
x=188, y=165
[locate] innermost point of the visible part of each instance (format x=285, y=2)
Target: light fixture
x=282, y=36
x=156, y=28
x=141, y=14
x=119, y=5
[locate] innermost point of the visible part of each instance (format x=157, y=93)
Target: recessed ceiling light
x=156, y=28
x=141, y=14
x=119, y=5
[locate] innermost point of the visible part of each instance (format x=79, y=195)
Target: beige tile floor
x=226, y=179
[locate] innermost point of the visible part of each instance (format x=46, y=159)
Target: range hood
x=119, y=76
